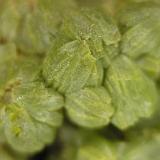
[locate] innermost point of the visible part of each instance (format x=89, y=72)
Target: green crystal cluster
x=81, y=75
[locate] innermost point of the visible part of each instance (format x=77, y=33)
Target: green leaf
x=96, y=29
x=30, y=117
x=15, y=68
x=89, y=107
x=20, y=130
x=147, y=128
x=28, y=69
x=41, y=103
x=134, y=94
x=39, y=25
x=141, y=38
x=32, y=36
x=134, y=13
x=68, y=68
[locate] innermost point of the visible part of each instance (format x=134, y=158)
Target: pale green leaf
x=135, y=13
x=134, y=94
x=41, y=103
x=97, y=29
x=22, y=132
x=89, y=107
x=68, y=68
x=39, y=25
x=30, y=114
x=141, y=39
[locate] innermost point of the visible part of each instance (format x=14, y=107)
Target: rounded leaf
x=141, y=39
x=96, y=29
x=134, y=94
x=23, y=133
x=89, y=107
x=68, y=67
x=41, y=103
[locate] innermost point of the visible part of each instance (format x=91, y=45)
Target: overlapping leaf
x=97, y=29
x=39, y=25
x=69, y=66
x=141, y=34
x=141, y=39
x=133, y=94
x=90, y=107
x=30, y=116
